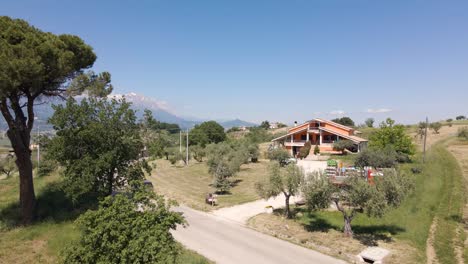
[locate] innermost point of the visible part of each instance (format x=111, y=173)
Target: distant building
x=274, y=125
x=322, y=133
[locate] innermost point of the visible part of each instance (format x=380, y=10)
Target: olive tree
x=357, y=195
x=34, y=65
x=279, y=155
x=342, y=145
x=286, y=181
x=436, y=126
x=224, y=161
x=7, y=165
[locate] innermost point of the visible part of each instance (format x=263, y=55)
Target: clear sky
x=276, y=60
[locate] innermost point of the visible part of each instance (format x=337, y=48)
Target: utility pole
x=180, y=141
x=186, y=150
x=425, y=138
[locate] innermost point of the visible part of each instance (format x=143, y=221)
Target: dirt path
x=430, y=250
x=460, y=152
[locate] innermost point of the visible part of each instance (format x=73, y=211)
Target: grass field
x=438, y=192
x=43, y=241
x=189, y=185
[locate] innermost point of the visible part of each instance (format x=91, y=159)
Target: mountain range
x=139, y=103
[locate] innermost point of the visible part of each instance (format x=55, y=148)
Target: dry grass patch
x=331, y=242
x=189, y=185
x=444, y=133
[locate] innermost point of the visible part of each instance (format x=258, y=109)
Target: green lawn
x=43, y=241
x=189, y=185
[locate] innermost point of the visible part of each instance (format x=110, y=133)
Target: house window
x=303, y=137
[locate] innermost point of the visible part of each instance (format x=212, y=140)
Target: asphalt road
x=226, y=242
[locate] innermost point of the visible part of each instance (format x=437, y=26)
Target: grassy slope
x=43, y=241
x=449, y=211
x=459, y=149
x=189, y=185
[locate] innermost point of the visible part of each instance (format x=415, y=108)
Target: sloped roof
x=289, y=134
x=352, y=138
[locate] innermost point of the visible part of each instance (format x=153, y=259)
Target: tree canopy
x=131, y=227
x=286, y=181
x=357, y=195
x=97, y=143
x=265, y=124
x=35, y=65
x=370, y=122
x=394, y=136
x=345, y=121
x=207, y=133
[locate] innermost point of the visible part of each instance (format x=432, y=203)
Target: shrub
x=460, y=117
x=254, y=152
x=436, y=126
x=449, y=122
x=463, y=133
x=386, y=158
x=316, y=150
x=233, y=129
x=305, y=150
x=198, y=153
x=46, y=167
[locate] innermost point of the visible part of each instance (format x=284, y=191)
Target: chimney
x=295, y=123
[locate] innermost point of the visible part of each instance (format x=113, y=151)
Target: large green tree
x=391, y=135
x=207, y=133
x=34, y=65
x=98, y=144
x=133, y=227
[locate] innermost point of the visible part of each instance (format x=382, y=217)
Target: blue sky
x=276, y=60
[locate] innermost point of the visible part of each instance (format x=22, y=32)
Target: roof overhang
x=289, y=134
x=352, y=138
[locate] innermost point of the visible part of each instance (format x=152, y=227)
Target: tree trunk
x=20, y=143
x=347, y=226
x=287, y=211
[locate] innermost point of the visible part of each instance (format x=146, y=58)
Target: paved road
x=227, y=242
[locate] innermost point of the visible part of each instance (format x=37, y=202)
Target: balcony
x=295, y=143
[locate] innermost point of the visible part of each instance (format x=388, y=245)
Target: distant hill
x=236, y=123
x=139, y=103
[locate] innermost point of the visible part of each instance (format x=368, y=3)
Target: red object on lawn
x=370, y=178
